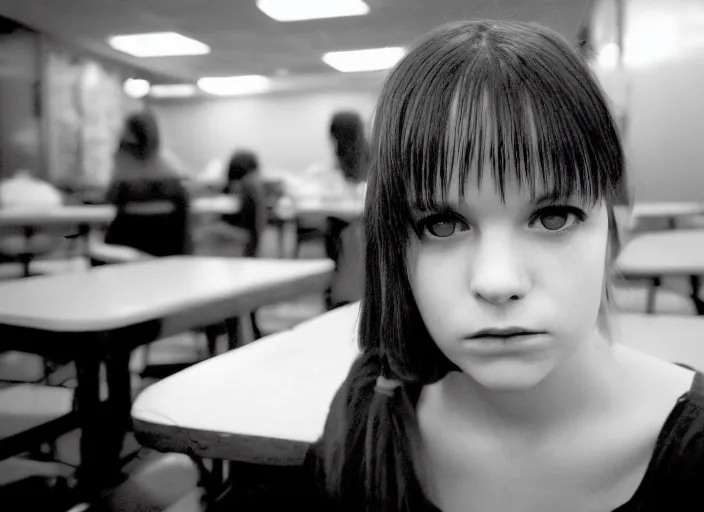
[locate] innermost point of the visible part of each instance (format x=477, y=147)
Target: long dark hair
x=242, y=163
x=514, y=95
x=352, y=149
x=140, y=136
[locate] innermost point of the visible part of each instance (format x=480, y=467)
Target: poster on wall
x=84, y=116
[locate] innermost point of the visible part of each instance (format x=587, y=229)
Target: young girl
x=489, y=379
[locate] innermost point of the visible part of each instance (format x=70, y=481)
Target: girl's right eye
x=441, y=225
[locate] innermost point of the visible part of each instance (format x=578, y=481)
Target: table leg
x=27, y=256
x=695, y=282
x=84, y=236
x=211, y=334
x=233, y=333
x=25, y=261
x=211, y=480
x=87, y=397
x=282, y=239
x=652, y=292
x=119, y=420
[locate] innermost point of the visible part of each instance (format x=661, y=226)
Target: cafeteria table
x=77, y=221
x=672, y=253
x=670, y=211
x=267, y=402
x=312, y=212
x=322, y=209
x=98, y=316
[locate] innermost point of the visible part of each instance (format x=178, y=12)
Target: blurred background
x=243, y=125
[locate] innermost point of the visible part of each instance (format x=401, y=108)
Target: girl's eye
x=442, y=225
x=558, y=218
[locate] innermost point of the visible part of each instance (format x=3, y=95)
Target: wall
x=289, y=131
x=83, y=110
x=661, y=89
x=20, y=145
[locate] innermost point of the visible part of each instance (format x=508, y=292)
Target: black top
x=674, y=480
x=251, y=216
x=159, y=234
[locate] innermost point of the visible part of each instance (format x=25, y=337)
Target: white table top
x=675, y=252
x=280, y=388
x=667, y=209
x=346, y=210
x=115, y=296
x=102, y=214
x=217, y=205
x=78, y=214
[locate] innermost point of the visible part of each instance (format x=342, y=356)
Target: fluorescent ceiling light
x=158, y=44
x=136, y=87
x=172, y=91
x=234, y=85
x=364, y=60
x=297, y=10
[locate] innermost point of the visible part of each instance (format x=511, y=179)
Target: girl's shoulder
x=675, y=477
x=674, y=394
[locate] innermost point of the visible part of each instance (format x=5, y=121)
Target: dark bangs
x=513, y=97
x=507, y=95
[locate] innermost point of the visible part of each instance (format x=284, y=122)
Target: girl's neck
x=584, y=386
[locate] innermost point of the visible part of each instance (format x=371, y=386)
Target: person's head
x=242, y=164
x=351, y=146
x=140, y=136
x=495, y=167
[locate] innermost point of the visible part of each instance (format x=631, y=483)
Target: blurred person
x=350, y=145
x=153, y=205
x=343, y=237
x=25, y=190
x=244, y=180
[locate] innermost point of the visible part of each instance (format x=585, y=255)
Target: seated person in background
x=153, y=205
x=343, y=238
x=244, y=180
x=24, y=190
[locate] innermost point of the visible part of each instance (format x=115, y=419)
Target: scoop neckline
x=675, y=412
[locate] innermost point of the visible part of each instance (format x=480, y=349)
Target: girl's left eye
x=558, y=218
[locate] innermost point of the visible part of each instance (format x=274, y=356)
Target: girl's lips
x=497, y=345
x=506, y=332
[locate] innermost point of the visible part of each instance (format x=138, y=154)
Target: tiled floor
x=157, y=482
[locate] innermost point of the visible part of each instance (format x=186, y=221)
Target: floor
x=157, y=482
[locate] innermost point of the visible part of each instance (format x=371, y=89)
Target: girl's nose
x=498, y=272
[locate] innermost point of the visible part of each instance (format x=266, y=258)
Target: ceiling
x=245, y=41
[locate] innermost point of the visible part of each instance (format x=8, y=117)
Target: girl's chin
x=507, y=376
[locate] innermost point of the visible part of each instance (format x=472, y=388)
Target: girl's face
x=486, y=264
